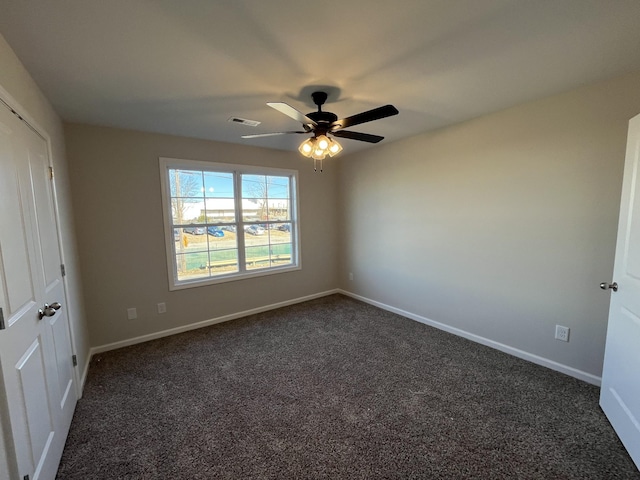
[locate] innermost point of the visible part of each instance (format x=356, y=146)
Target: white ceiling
x=184, y=67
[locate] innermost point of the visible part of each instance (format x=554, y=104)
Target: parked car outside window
x=215, y=231
x=255, y=230
x=194, y=230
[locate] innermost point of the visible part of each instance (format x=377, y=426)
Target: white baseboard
x=204, y=323
x=545, y=362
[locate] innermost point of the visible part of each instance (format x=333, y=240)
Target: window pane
x=192, y=265
x=281, y=233
x=278, y=187
x=278, y=198
x=253, y=210
x=265, y=198
x=193, y=240
x=278, y=209
x=255, y=235
x=218, y=185
x=281, y=254
x=186, y=183
x=221, y=239
x=264, y=256
x=223, y=261
x=193, y=230
x=254, y=186
x=187, y=210
x=220, y=210
x=257, y=257
x=223, y=251
x=254, y=198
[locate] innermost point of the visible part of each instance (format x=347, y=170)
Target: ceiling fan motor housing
x=323, y=117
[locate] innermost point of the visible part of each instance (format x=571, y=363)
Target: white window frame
x=174, y=163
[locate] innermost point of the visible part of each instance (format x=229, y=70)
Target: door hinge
x=51, y=173
x=2, y=325
x=63, y=271
x=74, y=359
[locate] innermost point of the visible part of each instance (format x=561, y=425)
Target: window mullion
x=239, y=222
x=293, y=217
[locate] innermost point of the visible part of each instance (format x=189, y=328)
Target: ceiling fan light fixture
x=322, y=141
x=318, y=154
x=319, y=147
x=334, y=147
x=306, y=148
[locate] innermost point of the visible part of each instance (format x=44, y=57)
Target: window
x=227, y=222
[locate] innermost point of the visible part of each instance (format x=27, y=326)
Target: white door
x=620, y=394
x=35, y=346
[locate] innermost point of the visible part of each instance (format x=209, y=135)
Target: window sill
x=232, y=277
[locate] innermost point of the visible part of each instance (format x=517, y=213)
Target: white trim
x=545, y=362
x=233, y=277
x=206, y=323
x=13, y=104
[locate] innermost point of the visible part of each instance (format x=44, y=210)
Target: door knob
x=46, y=312
x=613, y=286
x=56, y=305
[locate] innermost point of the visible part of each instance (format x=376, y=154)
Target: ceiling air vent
x=244, y=121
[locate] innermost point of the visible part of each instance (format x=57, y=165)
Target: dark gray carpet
x=334, y=389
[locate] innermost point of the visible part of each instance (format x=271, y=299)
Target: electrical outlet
x=132, y=313
x=350, y=275
x=562, y=333
x=162, y=307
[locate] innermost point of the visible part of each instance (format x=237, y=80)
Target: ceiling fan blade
x=363, y=137
x=368, y=116
x=258, y=135
x=289, y=111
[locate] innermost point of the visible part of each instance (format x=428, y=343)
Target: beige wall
x=502, y=227
x=15, y=80
x=115, y=179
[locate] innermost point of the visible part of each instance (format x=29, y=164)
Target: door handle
x=613, y=286
x=47, y=311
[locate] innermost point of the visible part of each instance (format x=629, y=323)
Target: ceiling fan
x=320, y=124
